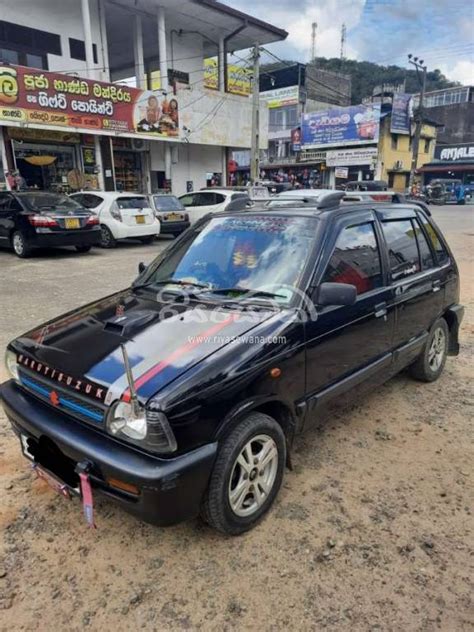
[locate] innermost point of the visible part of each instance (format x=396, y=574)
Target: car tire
x=83, y=248
x=430, y=363
x=238, y=496
x=148, y=240
x=20, y=245
x=107, y=240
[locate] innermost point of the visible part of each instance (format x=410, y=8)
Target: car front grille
x=62, y=399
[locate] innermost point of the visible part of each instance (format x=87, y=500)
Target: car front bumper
x=170, y=490
x=89, y=237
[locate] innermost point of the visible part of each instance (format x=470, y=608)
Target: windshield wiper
x=241, y=290
x=169, y=282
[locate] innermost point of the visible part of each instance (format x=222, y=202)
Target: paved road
x=372, y=529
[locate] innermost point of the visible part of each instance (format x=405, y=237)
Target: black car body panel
x=71, y=225
x=207, y=373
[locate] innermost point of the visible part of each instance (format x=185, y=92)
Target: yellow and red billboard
x=39, y=98
x=238, y=78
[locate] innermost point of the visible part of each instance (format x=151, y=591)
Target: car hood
x=82, y=349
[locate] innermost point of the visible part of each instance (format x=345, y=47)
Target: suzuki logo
x=54, y=398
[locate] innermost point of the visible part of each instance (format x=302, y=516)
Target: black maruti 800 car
x=182, y=394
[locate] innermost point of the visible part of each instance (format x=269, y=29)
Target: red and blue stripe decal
x=167, y=369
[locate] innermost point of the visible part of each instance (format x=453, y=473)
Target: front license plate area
x=55, y=483
x=140, y=219
x=48, y=458
x=72, y=222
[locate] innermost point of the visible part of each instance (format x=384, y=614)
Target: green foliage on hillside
x=366, y=75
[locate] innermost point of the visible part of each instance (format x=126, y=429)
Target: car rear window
x=132, y=202
x=42, y=201
x=167, y=203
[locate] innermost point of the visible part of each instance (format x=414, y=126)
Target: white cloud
x=462, y=71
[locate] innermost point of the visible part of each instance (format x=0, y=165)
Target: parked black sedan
x=38, y=219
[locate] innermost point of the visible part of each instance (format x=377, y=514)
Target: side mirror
x=141, y=267
x=336, y=294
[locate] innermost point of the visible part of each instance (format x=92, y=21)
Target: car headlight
x=146, y=427
x=11, y=364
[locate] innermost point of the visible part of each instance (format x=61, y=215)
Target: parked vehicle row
x=36, y=219
x=280, y=316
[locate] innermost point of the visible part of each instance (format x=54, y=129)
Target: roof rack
x=330, y=200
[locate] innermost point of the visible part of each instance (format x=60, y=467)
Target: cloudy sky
x=382, y=31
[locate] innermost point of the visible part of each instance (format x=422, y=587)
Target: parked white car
x=121, y=215
x=200, y=203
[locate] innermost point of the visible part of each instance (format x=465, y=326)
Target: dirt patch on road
x=372, y=531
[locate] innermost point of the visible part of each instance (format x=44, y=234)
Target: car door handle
x=380, y=310
x=436, y=285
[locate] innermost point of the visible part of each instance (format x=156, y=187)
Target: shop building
x=288, y=92
x=371, y=141
x=453, y=162
x=114, y=95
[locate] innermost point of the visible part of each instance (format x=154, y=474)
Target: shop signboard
x=238, y=78
x=296, y=139
x=455, y=152
x=353, y=125
x=35, y=97
x=351, y=157
x=341, y=172
x=401, y=113
x=280, y=96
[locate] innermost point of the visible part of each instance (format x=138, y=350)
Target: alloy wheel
x=18, y=244
x=437, y=349
x=253, y=475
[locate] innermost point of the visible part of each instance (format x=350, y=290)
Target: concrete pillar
x=86, y=23
x=104, y=42
x=221, y=64
x=138, y=55
x=224, y=167
x=98, y=163
x=162, y=48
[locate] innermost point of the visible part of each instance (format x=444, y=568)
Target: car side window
x=402, y=248
x=207, y=198
x=356, y=259
x=78, y=197
x=441, y=252
x=89, y=200
x=219, y=198
x=188, y=200
x=425, y=251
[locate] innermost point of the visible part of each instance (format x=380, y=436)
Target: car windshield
x=248, y=254
x=132, y=202
x=41, y=201
x=167, y=203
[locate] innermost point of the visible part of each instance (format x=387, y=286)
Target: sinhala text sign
x=353, y=125
x=38, y=98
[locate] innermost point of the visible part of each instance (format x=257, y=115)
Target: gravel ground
x=372, y=529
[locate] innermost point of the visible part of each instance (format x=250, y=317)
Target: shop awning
x=444, y=168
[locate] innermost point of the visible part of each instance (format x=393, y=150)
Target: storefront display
x=128, y=175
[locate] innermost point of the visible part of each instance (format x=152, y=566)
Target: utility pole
x=314, y=26
x=255, y=146
x=419, y=65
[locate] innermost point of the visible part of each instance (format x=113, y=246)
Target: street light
x=419, y=65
